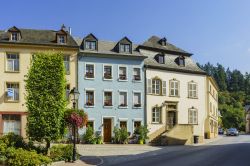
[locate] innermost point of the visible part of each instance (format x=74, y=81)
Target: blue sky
x=217, y=31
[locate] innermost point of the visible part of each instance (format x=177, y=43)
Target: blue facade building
x=111, y=84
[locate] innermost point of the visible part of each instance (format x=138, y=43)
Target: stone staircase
x=180, y=134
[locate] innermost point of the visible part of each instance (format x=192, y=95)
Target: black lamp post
x=74, y=95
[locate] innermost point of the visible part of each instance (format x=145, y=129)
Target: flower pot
x=141, y=142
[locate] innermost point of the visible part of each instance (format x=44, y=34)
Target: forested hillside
x=233, y=96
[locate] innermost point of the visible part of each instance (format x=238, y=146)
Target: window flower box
x=137, y=77
x=90, y=103
x=89, y=75
x=122, y=77
x=137, y=105
x=107, y=76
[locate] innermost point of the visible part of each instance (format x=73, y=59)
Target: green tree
x=46, y=102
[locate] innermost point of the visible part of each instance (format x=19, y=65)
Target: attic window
x=181, y=61
x=14, y=36
x=62, y=39
x=90, y=45
x=163, y=41
x=125, y=48
x=160, y=58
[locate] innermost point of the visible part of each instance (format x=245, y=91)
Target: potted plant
x=143, y=134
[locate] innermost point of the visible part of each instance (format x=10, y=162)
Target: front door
x=107, y=130
x=171, y=119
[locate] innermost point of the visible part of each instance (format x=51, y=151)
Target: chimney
x=70, y=30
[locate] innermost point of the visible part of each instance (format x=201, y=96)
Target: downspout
x=145, y=94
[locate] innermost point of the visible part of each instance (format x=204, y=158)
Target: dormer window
x=160, y=58
x=125, y=48
x=90, y=45
x=62, y=39
x=163, y=41
x=14, y=36
x=181, y=61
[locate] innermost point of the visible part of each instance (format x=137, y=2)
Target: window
x=62, y=39
x=11, y=123
x=90, y=124
x=181, y=61
x=67, y=91
x=14, y=36
x=89, y=73
x=137, y=74
x=66, y=60
x=12, y=93
x=156, y=86
x=90, y=98
x=12, y=63
x=90, y=45
x=123, y=124
x=156, y=115
x=122, y=73
x=137, y=99
x=125, y=48
x=160, y=58
x=108, y=99
x=123, y=99
x=192, y=90
x=174, y=88
x=210, y=107
x=192, y=116
x=107, y=74
x=137, y=124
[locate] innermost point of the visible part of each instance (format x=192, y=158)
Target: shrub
x=14, y=140
x=61, y=152
x=142, y=131
x=20, y=157
x=121, y=135
x=98, y=138
x=89, y=137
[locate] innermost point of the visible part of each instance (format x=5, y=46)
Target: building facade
x=17, y=47
x=211, y=125
x=175, y=97
x=111, y=84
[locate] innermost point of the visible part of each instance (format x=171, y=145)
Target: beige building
x=211, y=125
x=247, y=113
x=16, y=49
x=175, y=97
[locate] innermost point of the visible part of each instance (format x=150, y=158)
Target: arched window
x=156, y=86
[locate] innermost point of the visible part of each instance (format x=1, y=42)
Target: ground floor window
x=137, y=124
x=90, y=124
x=11, y=123
x=192, y=116
x=123, y=124
x=156, y=115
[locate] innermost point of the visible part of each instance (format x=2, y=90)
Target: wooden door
x=107, y=130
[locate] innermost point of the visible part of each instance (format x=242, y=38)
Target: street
x=228, y=151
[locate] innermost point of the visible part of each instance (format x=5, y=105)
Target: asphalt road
x=228, y=151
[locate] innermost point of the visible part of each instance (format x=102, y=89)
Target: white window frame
x=156, y=122
x=119, y=99
x=136, y=120
x=178, y=88
x=103, y=72
x=85, y=71
x=124, y=47
x=123, y=120
x=194, y=93
x=67, y=92
x=14, y=98
x=191, y=117
x=119, y=73
x=64, y=39
x=12, y=36
x=13, y=62
x=155, y=85
x=140, y=71
x=103, y=98
x=133, y=94
x=85, y=92
x=91, y=48
x=68, y=57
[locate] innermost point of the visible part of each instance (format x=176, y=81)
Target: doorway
x=107, y=130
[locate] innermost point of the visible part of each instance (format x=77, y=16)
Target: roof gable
x=90, y=37
x=13, y=29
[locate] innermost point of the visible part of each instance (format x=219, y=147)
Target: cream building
x=175, y=97
x=211, y=125
x=16, y=49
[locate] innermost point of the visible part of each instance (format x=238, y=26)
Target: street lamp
x=74, y=95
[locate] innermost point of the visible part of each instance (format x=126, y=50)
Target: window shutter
x=164, y=88
x=149, y=86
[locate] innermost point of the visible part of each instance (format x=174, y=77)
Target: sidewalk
x=209, y=141
x=83, y=161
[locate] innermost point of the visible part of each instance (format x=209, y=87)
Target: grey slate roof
x=107, y=48
x=38, y=37
x=153, y=42
x=170, y=59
